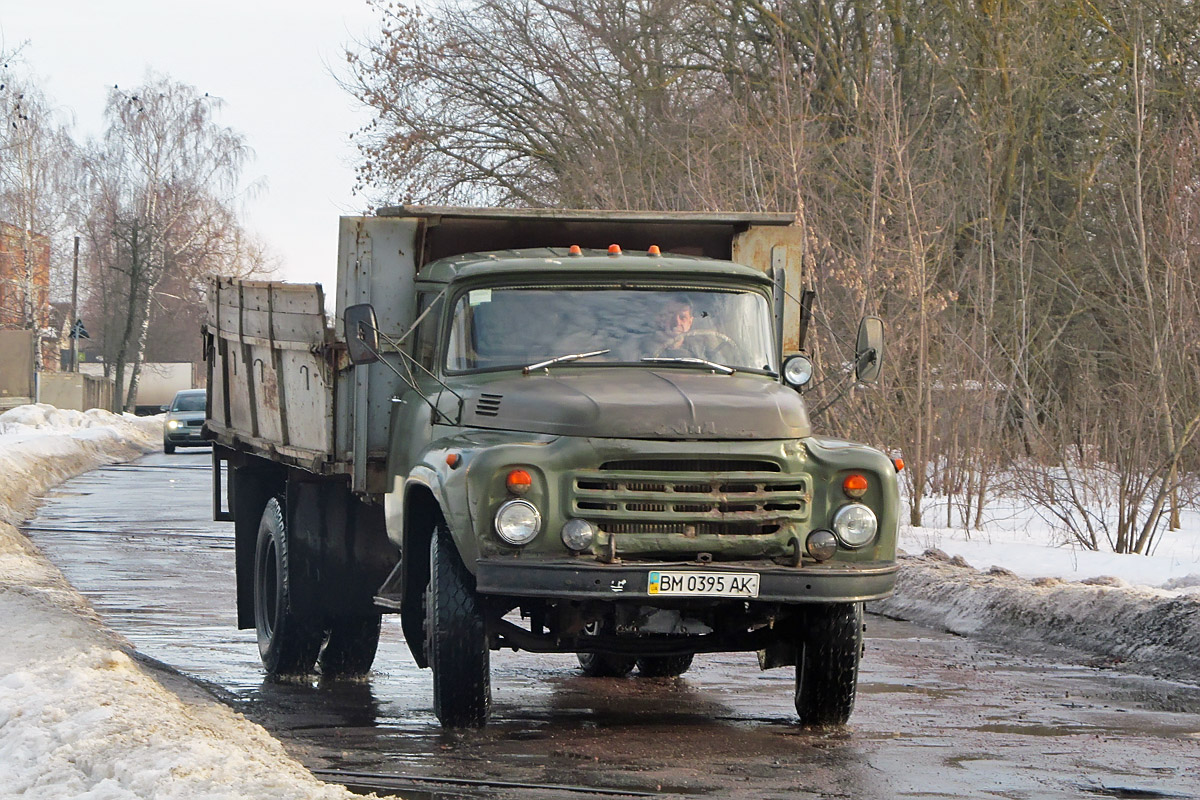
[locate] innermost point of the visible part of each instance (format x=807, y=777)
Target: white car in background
x=185, y=420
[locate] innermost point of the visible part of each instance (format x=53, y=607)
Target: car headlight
x=578, y=534
x=518, y=522
x=855, y=525
x=172, y=424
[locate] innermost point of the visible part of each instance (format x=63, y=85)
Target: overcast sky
x=269, y=60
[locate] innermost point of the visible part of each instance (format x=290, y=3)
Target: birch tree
x=162, y=180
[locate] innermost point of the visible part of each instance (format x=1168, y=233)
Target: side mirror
x=164, y=408
x=362, y=334
x=868, y=354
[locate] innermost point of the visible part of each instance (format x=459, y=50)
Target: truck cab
x=576, y=440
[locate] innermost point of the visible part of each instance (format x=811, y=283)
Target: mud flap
x=779, y=654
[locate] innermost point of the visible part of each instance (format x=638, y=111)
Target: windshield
x=188, y=402
x=516, y=327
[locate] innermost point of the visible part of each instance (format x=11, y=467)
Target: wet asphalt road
x=937, y=715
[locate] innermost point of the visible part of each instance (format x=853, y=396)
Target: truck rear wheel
x=605, y=665
x=663, y=666
x=287, y=643
x=350, y=649
x=456, y=639
x=827, y=667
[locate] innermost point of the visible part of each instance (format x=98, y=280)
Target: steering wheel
x=716, y=338
x=709, y=344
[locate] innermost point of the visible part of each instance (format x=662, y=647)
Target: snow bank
x=1156, y=629
x=41, y=446
x=78, y=717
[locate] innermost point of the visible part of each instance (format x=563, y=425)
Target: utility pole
x=75, y=310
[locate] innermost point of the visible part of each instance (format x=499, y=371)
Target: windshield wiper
x=561, y=360
x=700, y=362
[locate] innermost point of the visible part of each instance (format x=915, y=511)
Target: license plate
x=704, y=584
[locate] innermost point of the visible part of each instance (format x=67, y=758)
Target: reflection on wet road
x=937, y=716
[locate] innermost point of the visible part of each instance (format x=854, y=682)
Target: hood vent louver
x=488, y=405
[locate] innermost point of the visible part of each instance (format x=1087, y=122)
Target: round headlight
x=578, y=534
x=855, y=525
x=821, y=545
x=797, y=371
x=518, y=522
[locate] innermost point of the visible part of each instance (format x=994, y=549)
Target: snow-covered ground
x=80, y=719
x=1015, y=537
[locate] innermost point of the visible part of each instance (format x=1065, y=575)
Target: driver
x=668, y=337
x=672, y=324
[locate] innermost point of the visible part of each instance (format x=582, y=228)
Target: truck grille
x=692, y=498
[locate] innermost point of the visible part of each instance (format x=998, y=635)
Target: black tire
x=350, y=650
x=287, y=643
x=168, y=448
x=605, y=665
x=827, y=667
x=456, y=639
x=663, y=666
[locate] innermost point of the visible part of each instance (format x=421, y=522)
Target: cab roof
x=559, y=263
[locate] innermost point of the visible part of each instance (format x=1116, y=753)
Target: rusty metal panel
x=765, y=247
x=309, y=393
x=276, y=311
x=270, y=376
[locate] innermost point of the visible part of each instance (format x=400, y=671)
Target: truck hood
x=639, y=403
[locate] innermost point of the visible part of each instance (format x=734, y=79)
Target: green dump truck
x=547, y=431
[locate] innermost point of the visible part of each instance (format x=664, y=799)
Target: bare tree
x=1011, y=185
x=163, y=180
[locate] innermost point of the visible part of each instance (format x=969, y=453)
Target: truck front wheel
x=827, y=667
x=287, y=643
x=456, y=639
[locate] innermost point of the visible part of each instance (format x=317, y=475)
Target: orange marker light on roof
x=575, y=250
x=518, y=481
x=614, y=249
x=898, y=463
x=855, y=485
x=654, y=251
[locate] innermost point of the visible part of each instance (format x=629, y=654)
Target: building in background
x=15, y=281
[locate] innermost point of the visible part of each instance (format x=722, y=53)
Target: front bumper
x=185, y=436
x=568, y=579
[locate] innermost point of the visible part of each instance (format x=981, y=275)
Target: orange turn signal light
x=855, y=485
x=518, y=481
x=453, y=460
x=898, y=463
x=614, y=249
x=654, y=251
x=575, y=250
